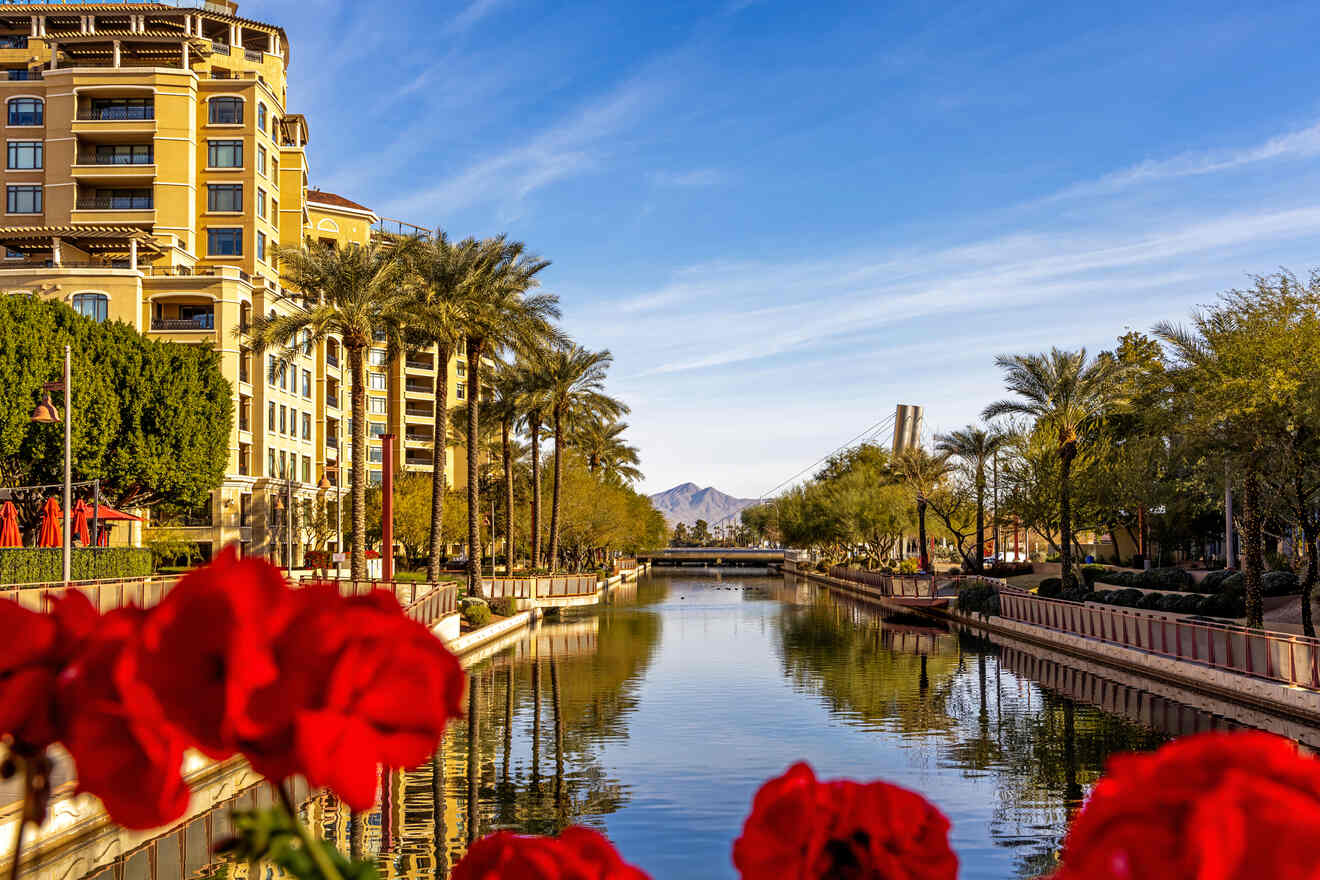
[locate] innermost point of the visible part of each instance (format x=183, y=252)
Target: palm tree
x=355, y=293
x=976, y=446
x=504, y=404
x=441, y=274
x=575, y=392
x=1070, y=396
x=602, y=445
x=533, y=406
x=922, y=471
x=501, y=314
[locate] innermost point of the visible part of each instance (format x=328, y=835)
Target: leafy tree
x=354, y=293
x=1071, y=396
x=700, y=535
x=681, y=538
x=922, y=473
x=975, y=446
x=151, y=419
x=606, y=452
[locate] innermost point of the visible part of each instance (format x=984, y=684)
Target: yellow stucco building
x=152, y=167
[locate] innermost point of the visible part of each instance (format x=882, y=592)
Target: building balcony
x=89, y=169
x=115, y=121
x=199, y=322
x=421, y=412
x=420, y=389
x=427, y=366
x=135, y=202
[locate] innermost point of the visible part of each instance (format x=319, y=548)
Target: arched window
x=261, y=117
x=226, y=111
x=91, y=305
x=27, y=111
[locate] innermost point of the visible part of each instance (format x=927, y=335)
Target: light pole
x=324, y=485
x=45, y=413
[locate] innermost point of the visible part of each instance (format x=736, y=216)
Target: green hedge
x=32, y=565
x=978, y=598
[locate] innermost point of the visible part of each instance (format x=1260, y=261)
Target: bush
x=1213, y=580
x=32, y=565
x=1127, y=579
x=1091, y=572
x=1150, y=601
x=476, y=613
x=908, y=566
x=503, y=607
x=1169, y=578
x=1008, y=569
x=1050, y=587
x=1280, y=583
x=1076, y=594
x=978, y=598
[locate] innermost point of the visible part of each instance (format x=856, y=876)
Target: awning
x=108, y=514
x=90, y=237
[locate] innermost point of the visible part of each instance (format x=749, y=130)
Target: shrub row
x=1170, y=578
x=1008, y=569
x=979, y=598
x=1218, y=605
x=33, y=565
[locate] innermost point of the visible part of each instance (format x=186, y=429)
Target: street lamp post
x=46, y=412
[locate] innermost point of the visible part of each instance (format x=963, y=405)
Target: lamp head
x=46, y=411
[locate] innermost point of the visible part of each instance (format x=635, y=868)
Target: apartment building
x=152, y=167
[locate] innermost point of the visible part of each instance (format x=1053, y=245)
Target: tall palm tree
x=441, y=273
x=575, y=392
x=975, y=446
x=602, y=445
x=533, y=406
x=1070, y=396
x=505, y=408
x=355, y=293
x=501, y=314
x=921, y=471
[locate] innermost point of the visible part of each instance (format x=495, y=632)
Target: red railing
x=1275, y=656
x=887, y=585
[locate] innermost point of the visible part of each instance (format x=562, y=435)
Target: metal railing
x=886, y=585
x=105, y=595
x=219, y=48
x=391, y=227
x=416, y=388
x=115, y=203
x=202, y=322
x=549, y=587
x=116, y=114
x=90, y=157
x=1275, y=656
x=424, y=602
x=254, y=55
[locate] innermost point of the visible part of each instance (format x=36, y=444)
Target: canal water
x=656, y=718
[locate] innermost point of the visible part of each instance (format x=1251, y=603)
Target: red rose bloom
x=360, y=685
x=208, y=646
x=37, y=648
x=577, y=854
x=1216, y=806
x=804, y=829
x=125, y=752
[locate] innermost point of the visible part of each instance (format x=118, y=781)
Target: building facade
x=152, y=169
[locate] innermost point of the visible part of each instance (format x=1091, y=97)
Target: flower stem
x=309, y=840
x=23, y=814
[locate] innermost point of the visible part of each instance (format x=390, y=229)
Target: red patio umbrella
x=51, y=535
x=9, y=536
x=80, y=513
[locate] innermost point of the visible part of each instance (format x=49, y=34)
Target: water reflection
x=656, y=718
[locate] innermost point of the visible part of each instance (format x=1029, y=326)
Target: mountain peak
x=688, y=502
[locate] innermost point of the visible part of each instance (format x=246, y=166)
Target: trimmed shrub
x=1050, y=587
x=1168, y=578
x=1150, y=601
x=1280, y=583
x=503, y=607
x=979, y=598
x=476, y=613
x=1090, y=572
x=1214, y=580
x=1234, y=583
x=1008, y=569
x=33, y=565
x=1076, y=594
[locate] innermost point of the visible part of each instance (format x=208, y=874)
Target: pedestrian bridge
x=713, y=556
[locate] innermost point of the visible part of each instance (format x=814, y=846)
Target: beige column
x=55, y=54
x=233, y=35
x=116, y=45
x=82, y=24
x=91, y=24
x=186, y=64
x=271, y=47
x=41, y=21
x=132, y=254
x=55, y=255
x=238, y=35
x=35, y=31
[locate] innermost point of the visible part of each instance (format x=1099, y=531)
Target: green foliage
x=598, y=515
x=151, y=419
x=1050, y=587
x=503, y=607
x=476, y=614
x=33, y=565
x=1281, y=583
x=1090, y=573
x=272, y=836
x=171, y=547
x=908, y=566
x=978, y=598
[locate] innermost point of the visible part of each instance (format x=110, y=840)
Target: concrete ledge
x=463, y=644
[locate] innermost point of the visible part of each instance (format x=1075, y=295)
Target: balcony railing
x=420, y=365
x=90, y=157
x=103, y=114
x=254, y=55
x=219, y=48
x=115, y=203
x=418, y=438
x=186, y=271
x=201, y=322
x=417, y=388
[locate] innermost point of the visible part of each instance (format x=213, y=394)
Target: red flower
x=804, y=829
x=125, y=752
x=360, y=685
x=1212, y=806
x=208, y=646
x=37, y=648
x=577, y=854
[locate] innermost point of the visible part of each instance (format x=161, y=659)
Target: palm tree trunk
x=1253, y=561
x=474, y=347
x=1309, y=532
x=358, y=398
x=554, y=498
x=535, y=431
x=506, y=428
x=439, y=455
x=980, y=523
x=1066, y=454
x=921, y=532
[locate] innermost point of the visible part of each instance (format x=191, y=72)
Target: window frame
x=39, y=113
x=224, y=189
x=235, y=234
x=13, y=189
x=101, y=307
x=213, y=144
x=232, y=101
x=36, y=148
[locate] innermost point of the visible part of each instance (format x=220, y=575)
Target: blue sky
x=784, y=218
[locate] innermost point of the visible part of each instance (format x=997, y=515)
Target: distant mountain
x=689, y=502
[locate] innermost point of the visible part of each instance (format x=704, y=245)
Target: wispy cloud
x=1301, y=144
x=473, y=13
x=697, y=177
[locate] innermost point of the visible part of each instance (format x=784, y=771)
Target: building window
x=270, y=463
x=284, y=376
x=275, y=212
x=261, y=117
x=17, y=74
x=244, y=468
x=284, y=464
x=261, y=203
x=125, y=154
x=307, y=343
x=284, y=419
x=226, y=111
x=91, y=305
x=376, y=381
x=224, y=154
x=25, y=155
x=224, y=197
x=307, y=383
x=261, y=246
x=224, y=242
x=307, y=426
x=117, y=200
x=461, y=369
x=376, y=357
x=123, y=108
x=460, y=390
x=271, y=369
x=307, y=469
x=11, y=254
x=375, y=454
x=23, y=199
x=261, y=160
x=373, y=477
x=376, y=405
x=270, y=416
x=13, y=42
x=375, y=429
x=27, y=111
x=244, y=505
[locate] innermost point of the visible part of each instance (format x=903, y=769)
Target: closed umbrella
x=80, y=513
x=51, y=536
x=9, y=536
